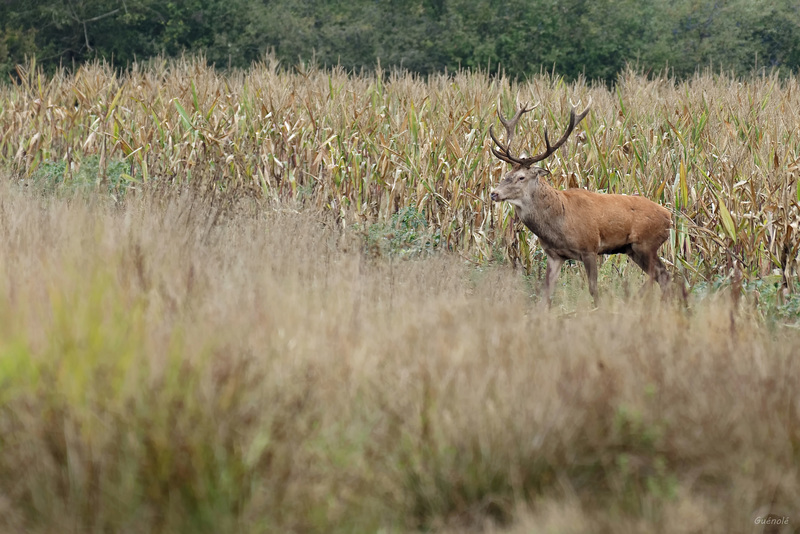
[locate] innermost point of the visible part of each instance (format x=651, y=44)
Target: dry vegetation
x=268, y=375
x=241, y=327
x=722, y=152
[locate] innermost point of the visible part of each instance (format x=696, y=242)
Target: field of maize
x=723, y=154
x=279, y=301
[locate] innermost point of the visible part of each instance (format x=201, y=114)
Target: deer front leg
x=590, y=263
x=554, y=264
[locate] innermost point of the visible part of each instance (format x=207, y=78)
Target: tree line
x=592, y=38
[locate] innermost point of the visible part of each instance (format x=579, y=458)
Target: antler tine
x=550, y=149
x=511, y=124
x=585, y=112
x=503, y=152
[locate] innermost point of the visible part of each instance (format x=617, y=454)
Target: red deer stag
x=575, y=223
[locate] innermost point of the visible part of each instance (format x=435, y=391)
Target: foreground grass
x=159, y=373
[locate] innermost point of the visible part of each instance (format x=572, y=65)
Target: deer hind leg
x=651, y=264
x=660, y=273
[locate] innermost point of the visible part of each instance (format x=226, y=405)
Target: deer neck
x=543, y=211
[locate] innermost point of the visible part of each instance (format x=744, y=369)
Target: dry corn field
x=723, y=154
x=280, y=301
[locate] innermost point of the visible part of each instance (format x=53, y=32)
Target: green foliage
x=86, y=383
x=595, y=39
x=53, y=177
x=405, y=235
x=15, y=45
x=777, y=307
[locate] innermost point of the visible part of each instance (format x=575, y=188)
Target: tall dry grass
x=721, y=152
x=268, y=374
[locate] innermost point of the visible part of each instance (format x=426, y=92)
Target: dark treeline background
x=595, y=38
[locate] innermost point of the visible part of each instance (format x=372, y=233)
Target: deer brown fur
x=576, y=223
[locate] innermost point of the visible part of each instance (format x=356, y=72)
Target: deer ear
x=543, y=172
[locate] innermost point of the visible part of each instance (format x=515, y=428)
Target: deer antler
x=573, y=120
x=504, y=152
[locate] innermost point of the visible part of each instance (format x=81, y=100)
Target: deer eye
x=521, y=178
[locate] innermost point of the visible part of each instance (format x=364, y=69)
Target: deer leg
x=641, y=259
x=590, y=264
x=652, y=265
x=554, y=264
x=660, y=273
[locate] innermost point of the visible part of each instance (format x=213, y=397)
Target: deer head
x=522, y=175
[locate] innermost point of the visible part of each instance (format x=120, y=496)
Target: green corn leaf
x=727, y=220
x=187, y=121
